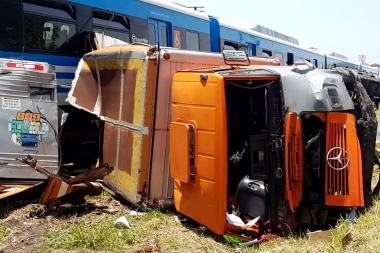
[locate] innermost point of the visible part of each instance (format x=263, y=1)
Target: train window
x=114, y=34
x=290, y=60
x=45, y=32
x=164, y=36
x=320, y=65
x=266, y=53
x=229, y=45
x=11, y=38
x=152, y=34
x=242, y=48
x=315, y=63
x=192, y=40
x=56, y=10
x=117, y=28
x=278, y=56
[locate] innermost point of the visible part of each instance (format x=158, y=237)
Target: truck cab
x=275, y=143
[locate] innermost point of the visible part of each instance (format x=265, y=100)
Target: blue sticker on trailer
x=27, y=129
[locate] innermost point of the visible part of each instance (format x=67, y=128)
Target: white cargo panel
x=28, y=94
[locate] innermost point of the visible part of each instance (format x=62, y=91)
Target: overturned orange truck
x=291, y=145
x=129, y=88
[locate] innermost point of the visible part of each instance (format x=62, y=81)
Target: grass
x=97, y=235
x=4, y=232
x=5, y=209
x=154, y=232
x=157, y=231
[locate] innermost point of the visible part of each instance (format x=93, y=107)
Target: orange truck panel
x=344, y=179
x=204, y=197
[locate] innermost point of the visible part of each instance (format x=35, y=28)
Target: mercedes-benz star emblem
x=343, y=158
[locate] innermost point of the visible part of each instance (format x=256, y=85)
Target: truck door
x=198, y=149
x=159, y=33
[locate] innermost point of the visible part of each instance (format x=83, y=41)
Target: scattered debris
x=124, y=221
x=136, y=213
x=106, y=210
x=179, y=220
x=237, y=221
x=58, y=189
x=352, y=216
x=325, y=237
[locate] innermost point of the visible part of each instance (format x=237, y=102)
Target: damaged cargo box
x=28, y=118
x=129, y=88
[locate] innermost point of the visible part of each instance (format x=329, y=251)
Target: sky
x=348, y=27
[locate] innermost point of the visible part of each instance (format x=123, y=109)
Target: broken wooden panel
x=23, y=192
x=61, y=192
x=59, y=189
x=121, y=91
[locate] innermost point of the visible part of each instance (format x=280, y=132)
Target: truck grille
x=337, y=157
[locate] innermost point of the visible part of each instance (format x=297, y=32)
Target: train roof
x=175, y=7
x=336, y=55
x=247, y=30
x=275, y=34
x=264, y=36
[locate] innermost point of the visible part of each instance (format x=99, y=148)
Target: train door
x=251, y=49
x=315, y=62
x=159, y=33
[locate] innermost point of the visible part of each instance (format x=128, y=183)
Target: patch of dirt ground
x=26, y=225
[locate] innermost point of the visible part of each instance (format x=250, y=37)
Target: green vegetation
x=4, y=232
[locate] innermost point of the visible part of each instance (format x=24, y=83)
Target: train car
x=225, y=36
x=368, y=69
x=264, y=42
x=54, y=31
x=334, y=60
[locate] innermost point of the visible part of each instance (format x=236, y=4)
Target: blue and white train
x=53, y=31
